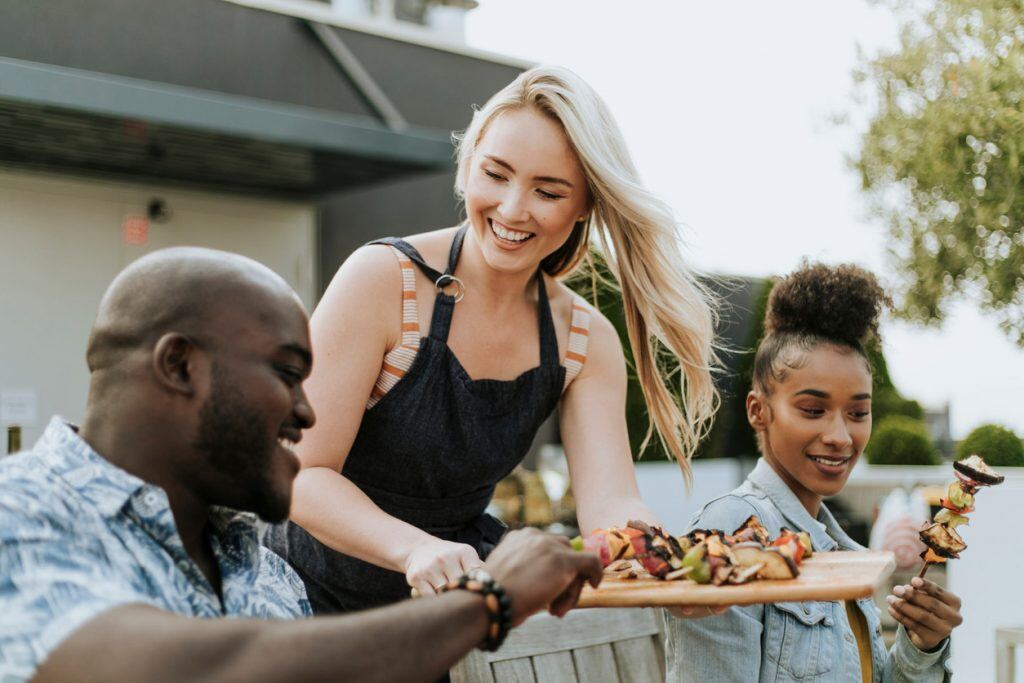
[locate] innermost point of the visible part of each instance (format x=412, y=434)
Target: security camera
x=158, y=211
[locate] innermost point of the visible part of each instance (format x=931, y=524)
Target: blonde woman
x=439, y=356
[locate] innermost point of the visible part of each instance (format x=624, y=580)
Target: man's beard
x=232, y=434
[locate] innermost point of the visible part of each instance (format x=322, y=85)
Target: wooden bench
x=587, y=645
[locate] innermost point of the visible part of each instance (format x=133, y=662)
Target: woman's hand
x=434, y=562
x=928, y=612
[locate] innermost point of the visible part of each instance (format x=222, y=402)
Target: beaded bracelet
x=496, y=600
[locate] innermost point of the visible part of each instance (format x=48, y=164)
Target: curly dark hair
x=817, y=304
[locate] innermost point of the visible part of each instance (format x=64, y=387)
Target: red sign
x=135, y=231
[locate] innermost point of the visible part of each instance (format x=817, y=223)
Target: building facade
x=291, y=131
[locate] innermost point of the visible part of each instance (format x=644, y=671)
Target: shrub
x=901, y=440
x=997, y=445
x=887, y=402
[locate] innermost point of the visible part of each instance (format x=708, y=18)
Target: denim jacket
x=787, y=641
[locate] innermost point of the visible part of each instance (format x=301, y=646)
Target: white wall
x=662, y=488
x=61, y=245
x=988, y=578
x=869, y=485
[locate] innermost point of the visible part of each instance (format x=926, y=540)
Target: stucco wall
x=61, y=245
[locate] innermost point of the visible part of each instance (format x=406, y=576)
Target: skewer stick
x=924, y=569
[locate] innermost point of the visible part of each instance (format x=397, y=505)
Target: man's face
x=254, y=411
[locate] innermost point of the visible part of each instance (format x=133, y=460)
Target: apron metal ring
x=447, y=280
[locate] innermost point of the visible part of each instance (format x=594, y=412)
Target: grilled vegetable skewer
x=702, y=556
x=941, y=537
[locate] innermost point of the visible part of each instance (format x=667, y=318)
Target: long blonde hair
x=665, y=306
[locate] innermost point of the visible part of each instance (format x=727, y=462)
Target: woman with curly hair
x=440, y=355
x=810, y=406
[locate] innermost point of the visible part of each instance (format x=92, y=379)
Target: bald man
x=124, y=540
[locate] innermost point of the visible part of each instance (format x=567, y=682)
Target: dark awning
x=61, y=118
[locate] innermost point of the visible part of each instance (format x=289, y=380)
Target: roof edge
x=317, y=11
x=194, y=108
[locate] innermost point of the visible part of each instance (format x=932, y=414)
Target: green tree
x=901, y=440
x=595, y=283
x=886, y=400
x=732, y=434
x=941, y=158
x=997, y=445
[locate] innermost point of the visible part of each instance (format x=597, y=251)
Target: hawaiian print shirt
x=79, y=536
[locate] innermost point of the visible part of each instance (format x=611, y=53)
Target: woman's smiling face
x=816, y=422
x=525, y=190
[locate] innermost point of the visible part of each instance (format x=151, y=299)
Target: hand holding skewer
x=927, y=612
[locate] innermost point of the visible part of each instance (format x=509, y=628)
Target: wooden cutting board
x=842, y=575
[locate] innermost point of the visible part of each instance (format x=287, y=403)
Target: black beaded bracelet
x=496, y=600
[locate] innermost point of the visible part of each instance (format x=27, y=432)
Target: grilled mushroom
x=943, y=540
x=753, y=523
x=976, y=469
x=777, y=565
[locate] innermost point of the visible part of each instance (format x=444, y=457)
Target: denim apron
x=431, y=451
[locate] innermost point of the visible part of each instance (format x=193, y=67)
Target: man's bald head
x=186, y=290
x=197, y=359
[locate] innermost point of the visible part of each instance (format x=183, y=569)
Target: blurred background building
x=288, y=131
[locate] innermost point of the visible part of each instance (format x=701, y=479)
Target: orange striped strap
x=399, y=359
x=579, y=335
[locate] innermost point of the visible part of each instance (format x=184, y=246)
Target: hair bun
x=839, y=303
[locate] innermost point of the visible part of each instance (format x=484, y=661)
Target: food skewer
x=702, y=556
x=941, y=538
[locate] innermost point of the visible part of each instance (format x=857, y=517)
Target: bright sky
x=729, y=110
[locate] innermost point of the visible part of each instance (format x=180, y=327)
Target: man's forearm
x=415, y=641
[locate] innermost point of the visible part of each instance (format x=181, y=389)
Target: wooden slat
x=543, y=634
x=595, y=664
x=556, y=667
x=639, y=660
x=474, y=668
x=593, y=645
x=843, y=575
x=514, y=671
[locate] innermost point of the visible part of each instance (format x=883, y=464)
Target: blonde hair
x=666, y=308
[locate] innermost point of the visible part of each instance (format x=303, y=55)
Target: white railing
x=446, y=19
x=1007, y=642
x=444, y=29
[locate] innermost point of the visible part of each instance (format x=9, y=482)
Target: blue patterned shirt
x=79, y=536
